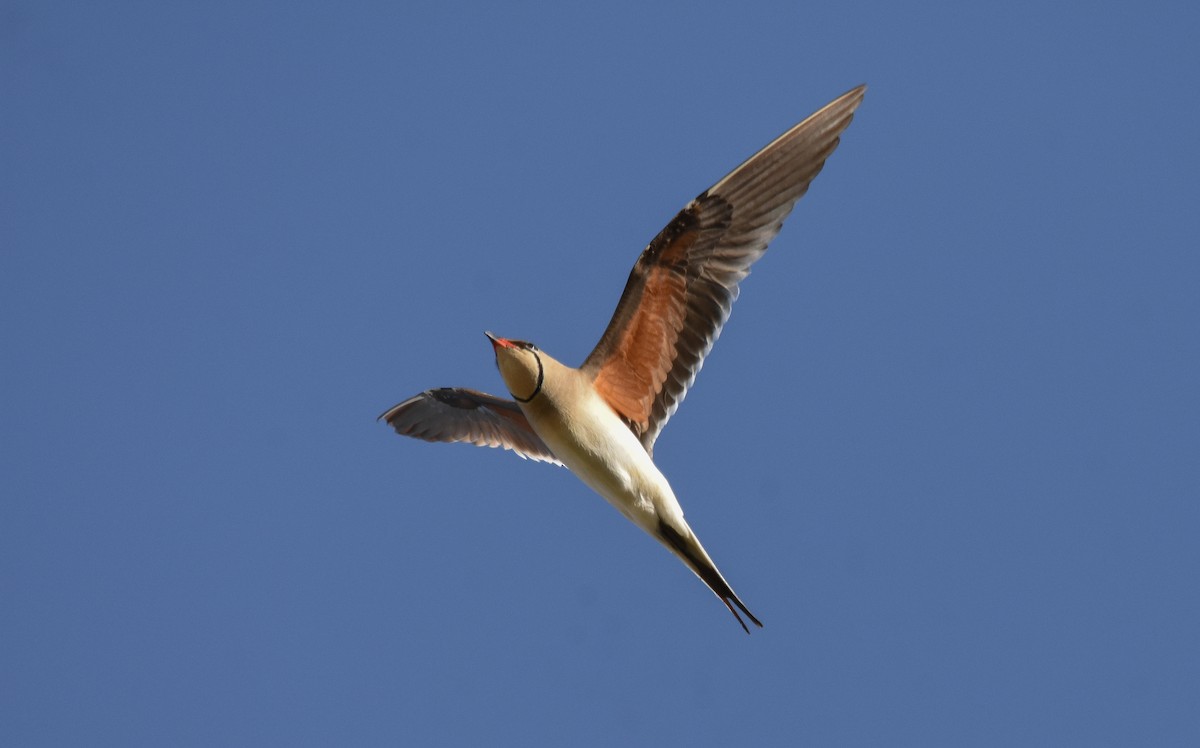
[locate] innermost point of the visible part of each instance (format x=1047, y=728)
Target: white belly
x=602, y=451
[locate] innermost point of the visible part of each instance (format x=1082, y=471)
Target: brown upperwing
x=683, y=286
x=640, y=348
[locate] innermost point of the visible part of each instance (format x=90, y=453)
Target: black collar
x=541, y=378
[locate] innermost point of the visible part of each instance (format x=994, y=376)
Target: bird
x=602, y=418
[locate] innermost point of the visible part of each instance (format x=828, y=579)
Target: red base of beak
x=499, y=342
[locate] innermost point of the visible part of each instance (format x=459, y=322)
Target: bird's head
x=520, y=364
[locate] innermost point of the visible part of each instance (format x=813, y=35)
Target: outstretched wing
x=683, y=286
x=454, y=414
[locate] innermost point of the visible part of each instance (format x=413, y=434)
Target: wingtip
x=853, y=98
x=384, y=415
x=387, y=414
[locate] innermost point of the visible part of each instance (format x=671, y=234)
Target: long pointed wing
x=453, y=414
x=683, y=286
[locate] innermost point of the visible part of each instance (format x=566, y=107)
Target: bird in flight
x=601, y=419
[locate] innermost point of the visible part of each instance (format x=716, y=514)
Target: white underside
x=603, y=452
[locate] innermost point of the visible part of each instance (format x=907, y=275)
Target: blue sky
x=946, y=449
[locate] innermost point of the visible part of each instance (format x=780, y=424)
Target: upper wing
x=454, y=414
x=683, y=286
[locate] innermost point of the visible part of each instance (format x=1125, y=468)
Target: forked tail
x=694, y=555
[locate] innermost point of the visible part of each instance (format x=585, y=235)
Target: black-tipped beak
x=498, y=342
